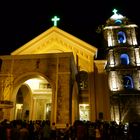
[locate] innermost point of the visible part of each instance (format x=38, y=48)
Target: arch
x=23, y=100
x=124, y=59
x=19, y=82
x=28, y=75
x=118, y=22
x=128, y=82
x=121, y=37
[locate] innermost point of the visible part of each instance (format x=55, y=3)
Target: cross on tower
x=55, y=19
x=115, y=11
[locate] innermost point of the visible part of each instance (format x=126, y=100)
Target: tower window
x=124, y=59
x=118, y=22
x=128, y=82
x=121, y=37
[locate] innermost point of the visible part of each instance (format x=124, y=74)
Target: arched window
x=124, y=59
x=128, y=82
x=82, y=79
x=121, y=37
x=118, y=22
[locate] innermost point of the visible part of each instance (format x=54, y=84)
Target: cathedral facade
x=56, y=76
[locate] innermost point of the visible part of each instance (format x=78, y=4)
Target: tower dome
x=118, y=20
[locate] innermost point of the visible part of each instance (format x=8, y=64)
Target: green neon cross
x=115, y=11
x=55, y=19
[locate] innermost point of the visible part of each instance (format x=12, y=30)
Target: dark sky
x=25, y=19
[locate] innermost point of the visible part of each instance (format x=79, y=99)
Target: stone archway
x=23, y=99
x=58, y=69
x=35, y=93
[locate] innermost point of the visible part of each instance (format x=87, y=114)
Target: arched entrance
x=23, y=100
x=57, y=73
x=33, y=100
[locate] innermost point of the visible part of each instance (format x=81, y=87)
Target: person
x=53, y=131
x=8, y=130
x=91, y=131
x=3, y=130
x=66, y=132
x=72, y=132
x=80, y=130
x=46, y=130
x=16, y=126
x=24, y=132
x=97, y=132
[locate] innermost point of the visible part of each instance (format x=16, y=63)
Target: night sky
x=24, y=20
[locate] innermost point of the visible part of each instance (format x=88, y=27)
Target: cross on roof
x=115, y=11
x=55, y=19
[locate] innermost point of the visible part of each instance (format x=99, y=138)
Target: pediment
x=55, y=40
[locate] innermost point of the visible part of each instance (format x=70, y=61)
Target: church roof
x=55, y=40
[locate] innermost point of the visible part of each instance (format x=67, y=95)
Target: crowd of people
x=80, y=130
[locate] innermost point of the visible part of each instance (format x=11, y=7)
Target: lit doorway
x=23, y=103
x=84, y=112
x=33, y=101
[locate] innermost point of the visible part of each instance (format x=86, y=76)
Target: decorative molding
x=55, y=36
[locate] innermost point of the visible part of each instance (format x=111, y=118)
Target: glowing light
x=84, y=111
x=33, y=83
x=19, y=106
x=113, y=81
x=118, y=21
x=55, y=19
x=115, y=11
x=114, y=86
x=116, y=16
x=109, y=38
x=137, y=54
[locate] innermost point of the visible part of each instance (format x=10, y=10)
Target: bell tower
x=123, y=67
